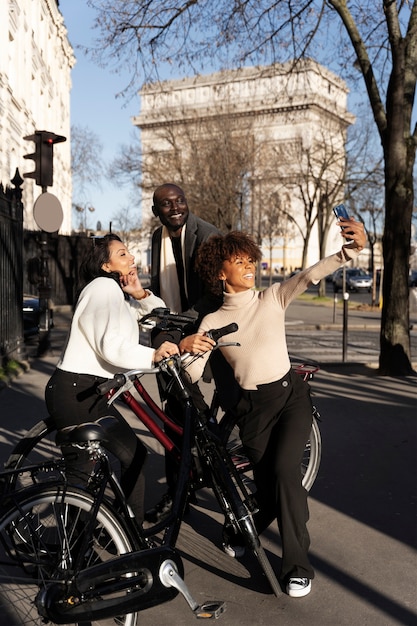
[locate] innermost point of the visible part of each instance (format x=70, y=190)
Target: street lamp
x=82, y=209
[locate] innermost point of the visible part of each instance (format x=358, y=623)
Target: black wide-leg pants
x=275, y=422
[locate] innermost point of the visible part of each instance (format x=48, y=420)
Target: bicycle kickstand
x=170, y=578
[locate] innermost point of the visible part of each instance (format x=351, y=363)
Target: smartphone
x=341, y=211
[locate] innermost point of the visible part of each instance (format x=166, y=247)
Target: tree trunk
x=399, y=155
x=395, y=355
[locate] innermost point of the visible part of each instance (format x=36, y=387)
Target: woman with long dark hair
x=103, y=340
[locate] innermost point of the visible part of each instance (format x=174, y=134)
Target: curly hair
x=219, y=248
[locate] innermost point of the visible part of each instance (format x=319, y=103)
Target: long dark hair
x=97, y=254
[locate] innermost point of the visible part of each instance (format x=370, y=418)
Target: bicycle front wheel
x=41, y=540
x=237, y=506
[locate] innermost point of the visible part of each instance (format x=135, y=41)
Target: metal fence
x=63, y=255
x=25, y=256
x=11, y=271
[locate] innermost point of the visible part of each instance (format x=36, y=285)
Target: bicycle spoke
x=40, y=536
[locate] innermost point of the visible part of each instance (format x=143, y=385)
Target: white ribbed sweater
x=104, y=333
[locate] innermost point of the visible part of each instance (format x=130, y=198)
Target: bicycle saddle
x=80, y=433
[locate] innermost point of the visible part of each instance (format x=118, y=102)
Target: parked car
x=412, y=279
x=356, y=280
x=31, y=315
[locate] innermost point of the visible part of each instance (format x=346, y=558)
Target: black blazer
x=196, y=232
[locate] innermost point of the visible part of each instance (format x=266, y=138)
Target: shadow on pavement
x=369, y=438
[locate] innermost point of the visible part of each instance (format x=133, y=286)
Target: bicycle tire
x=310, y=464
x=36, y=446
x=34, y=549
x=234, y=501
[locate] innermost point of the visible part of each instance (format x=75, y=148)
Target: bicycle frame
x=148, y=421
x=161, y=565
x=306, y=371
x=163, y=561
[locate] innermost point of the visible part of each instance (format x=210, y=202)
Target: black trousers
x=72, y=399
x=275, y=422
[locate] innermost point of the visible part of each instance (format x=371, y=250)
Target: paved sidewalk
x=362, y=507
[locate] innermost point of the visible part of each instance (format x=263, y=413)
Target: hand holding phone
x=341, y=211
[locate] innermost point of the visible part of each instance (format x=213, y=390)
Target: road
x=324, y=345
x=362, y=505
x=316, y=331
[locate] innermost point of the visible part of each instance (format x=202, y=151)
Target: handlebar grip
x=117, y=381
x=217, y=333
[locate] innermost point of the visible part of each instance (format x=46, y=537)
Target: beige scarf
x=168, y=281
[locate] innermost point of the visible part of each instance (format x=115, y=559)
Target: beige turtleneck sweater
x=262, y=356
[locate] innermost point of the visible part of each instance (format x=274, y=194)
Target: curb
x=327, y=326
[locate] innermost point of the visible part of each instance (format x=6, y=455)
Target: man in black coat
x=174, y=279
x=174, y=248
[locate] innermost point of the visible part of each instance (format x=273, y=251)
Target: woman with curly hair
x=274, y=413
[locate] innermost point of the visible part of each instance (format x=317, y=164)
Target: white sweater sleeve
x=104, y=335
x=146, y=305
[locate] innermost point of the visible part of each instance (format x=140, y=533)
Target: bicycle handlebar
x=120, y=380
x=164, y=314
x=114, y=383
x=216, y=334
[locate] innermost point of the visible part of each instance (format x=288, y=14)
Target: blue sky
x=94, y=105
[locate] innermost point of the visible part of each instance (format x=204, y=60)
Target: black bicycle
x=38, y=444
x=72, y=552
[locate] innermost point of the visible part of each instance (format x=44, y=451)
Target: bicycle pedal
x=210, y=610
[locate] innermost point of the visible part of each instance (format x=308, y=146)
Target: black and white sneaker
x=160, y=511
x=298, y=587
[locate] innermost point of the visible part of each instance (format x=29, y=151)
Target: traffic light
x=43, y=156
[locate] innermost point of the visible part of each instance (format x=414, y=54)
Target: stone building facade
x=288, y=114
x=35, y=83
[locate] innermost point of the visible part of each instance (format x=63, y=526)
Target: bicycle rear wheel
x=40, y=541
x=36, y=446
x=310, y=463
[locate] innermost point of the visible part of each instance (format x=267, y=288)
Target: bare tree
x=364, y=190
x=320, y=185
x=313, y=170
x=212, y=157
x=127, y=224
x=377, y=39
x=223, y=162
x=273, y=227
x=87, y=165
x=126, y=168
